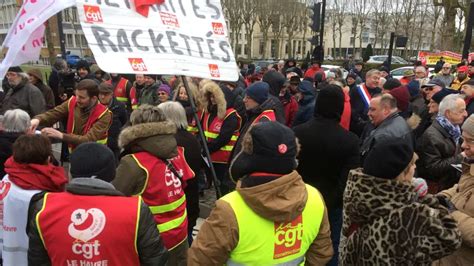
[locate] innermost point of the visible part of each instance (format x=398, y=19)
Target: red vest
x=98, y=111
x=120, y=90
x=89, y=230
x=269, y=114
x=212, y=130
x=192, y=127
x=164, y=194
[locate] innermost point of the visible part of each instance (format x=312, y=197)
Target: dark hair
x=91, y=86
x=34, y=149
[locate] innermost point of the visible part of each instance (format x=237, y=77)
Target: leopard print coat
x=385, y=224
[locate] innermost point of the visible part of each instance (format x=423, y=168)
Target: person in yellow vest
x=461, y=79
x=221, y=124
x=91, y=223
x=124, y=91
x=87, y=119
x=273, y=218
x=155, y=168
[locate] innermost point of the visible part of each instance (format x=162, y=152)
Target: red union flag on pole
x=188, y=38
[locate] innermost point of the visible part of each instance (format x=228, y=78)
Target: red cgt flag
x=143, y=6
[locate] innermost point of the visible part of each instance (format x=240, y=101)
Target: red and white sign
x=218, y=28
x=189, y=38
x=137, y=64
x=288, y=238
x=93, y=14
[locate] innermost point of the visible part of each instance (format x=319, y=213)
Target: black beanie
x=83, y=64
x=276, y=80
x=93, y=160
x=389, y=158
x=330, y=102
x=268, y=147
x=391, y=84
x=15, y=69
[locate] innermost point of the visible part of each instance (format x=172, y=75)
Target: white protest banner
x=179, y=37
x=25, y=37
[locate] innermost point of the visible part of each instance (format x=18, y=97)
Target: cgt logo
x=93, y=14
x=288, y=238
x=214, y=69
x=137, y=64
x=218, y=28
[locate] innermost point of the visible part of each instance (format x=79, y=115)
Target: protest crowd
x=314, y=168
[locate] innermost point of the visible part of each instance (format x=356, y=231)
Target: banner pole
x=202, y=137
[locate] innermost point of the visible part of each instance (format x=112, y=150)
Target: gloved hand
x=446, y=203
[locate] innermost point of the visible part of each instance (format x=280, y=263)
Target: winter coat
x=359, y=116
x=438, y=152
x=155, y=138
x=305, y=105
x=393, y=126
x=277, y=107
x=346, y=114
x=385, y=224
x=469, y=106
x=47, y=94
x=447, y=79
x=418, y=104
x=61, y=112
x=230, y=124
x=192, y=154
x=311, y=72
x=6, y=142
x=252, y=114
x=119, y=119
x=291, y=109
x=149, y=95
x=149, y=245
x=461, y=195
x=26, y=97
x=278, y=200
x=328, y=152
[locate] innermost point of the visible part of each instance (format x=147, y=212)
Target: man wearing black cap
x=22, y=94
x=321, y=164
x=432, y=87
x=273, y=217
x=83, y=71
x=92, y=223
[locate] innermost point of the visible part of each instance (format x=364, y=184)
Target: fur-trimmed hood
x=211, y=88
x=156, y=138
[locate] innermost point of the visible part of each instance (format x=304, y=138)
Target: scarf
x=36, y=176
x=453, y=131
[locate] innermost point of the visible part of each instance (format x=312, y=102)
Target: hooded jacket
x=385, y=224
x=276, y=81
x=230, y=124
x=45, y=89
x=307, y=104
x=155, y=138
x=149, y=94
x=24, y=96
x=461, y=195
x=279, y=200
x=150, y=247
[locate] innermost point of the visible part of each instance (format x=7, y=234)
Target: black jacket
x=305, y=105
x=328, y=152
x=119, y=119
x=393, y=126
x=150, y=247
x=470, y=107
x=6, y=143
x=438, y=152
x=192, y=154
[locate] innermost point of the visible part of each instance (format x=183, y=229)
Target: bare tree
x=435, y=13
x=265, y=12
x=233, y=13
x=450, y=11
x=381, y=20
x=50, y=41
x=249, y=16
x=277, y=28
x=362, y=9
x=340, y=16
x=289, y=19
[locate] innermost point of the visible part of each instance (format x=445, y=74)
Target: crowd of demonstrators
x=253, y=128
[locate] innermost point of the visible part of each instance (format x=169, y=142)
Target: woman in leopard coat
x=385, y=220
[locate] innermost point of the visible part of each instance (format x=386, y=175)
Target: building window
x=74, y=15
x=239, y=49
x=69, y=40
x=78, y=40
x=273, y=48
x=352, y=42
x=260, y=47
x=66, y=15
x=365, y=39
x=84, y=41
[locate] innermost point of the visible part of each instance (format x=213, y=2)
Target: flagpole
x=202, y=137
